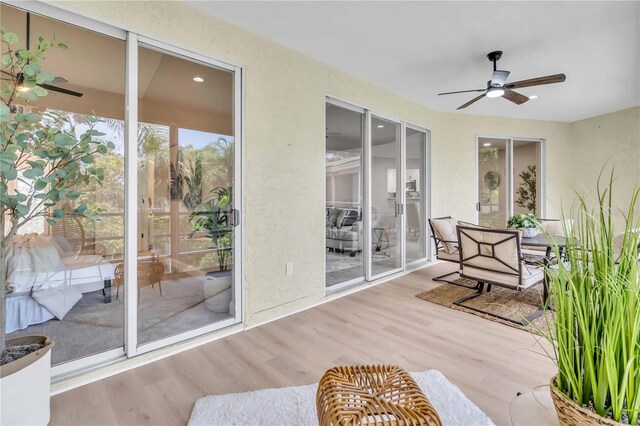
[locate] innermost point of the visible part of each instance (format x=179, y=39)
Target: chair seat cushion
x=450, y=257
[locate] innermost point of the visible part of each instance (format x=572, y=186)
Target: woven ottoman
x=372, y=395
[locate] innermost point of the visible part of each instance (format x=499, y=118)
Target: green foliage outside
x=527, y=190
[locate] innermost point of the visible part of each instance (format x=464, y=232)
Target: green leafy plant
x=523, y=221
x=43, y=164
x=213, y=217
x=596, y=297
x=527, y=190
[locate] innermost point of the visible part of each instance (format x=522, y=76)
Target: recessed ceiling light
x=380, y=126
x=533, y=97
x=198, y=79
x=24, y=89
x=486, y=144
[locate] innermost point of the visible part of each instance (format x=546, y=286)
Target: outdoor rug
x=297, y=405
x=514, y=305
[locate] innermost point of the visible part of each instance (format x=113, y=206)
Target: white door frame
x=510, y=178
x=132, y=39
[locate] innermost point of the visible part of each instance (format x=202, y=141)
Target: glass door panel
x=526, y=171
x=493, y=182
x=186, y=209
x=386, y=196
x=344, y=231
x=415, y=186
x=68, y=297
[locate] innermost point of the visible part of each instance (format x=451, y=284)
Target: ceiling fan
x=498, y=86
x=58, y=80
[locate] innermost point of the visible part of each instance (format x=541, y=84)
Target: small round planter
x=571, y=414
x=530, y=232
x=25, y=385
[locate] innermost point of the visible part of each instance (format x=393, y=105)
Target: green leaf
x=32, y=116
x=87, y=159
x=39, y=91
x=45, y=77
x=81, y=208
x=33, y=173
x=51, y=221
x=11, y=38
x=22, y=210
x=10, y=174
x=4, y=113
x=58, y=213
x=6, y=60
x=62, y=45
x=31, y=70
x=39, y=185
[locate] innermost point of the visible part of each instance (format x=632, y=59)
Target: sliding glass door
x=386, y=189
x=344, y=230
x=148, y=253
x=416, y=193
x=376, y=194
x=186, y=193
x=510, y=179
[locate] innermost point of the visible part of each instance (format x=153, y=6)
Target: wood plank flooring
x=490, y=362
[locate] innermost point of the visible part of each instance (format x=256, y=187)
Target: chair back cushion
x=445, y=230
x=556, y=227
x=492, y=250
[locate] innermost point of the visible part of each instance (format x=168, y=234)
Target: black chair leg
x=441, y=279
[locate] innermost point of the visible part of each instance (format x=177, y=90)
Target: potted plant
x=596, y=298
x=527, y=223
x=213, y=217
x=41, y=153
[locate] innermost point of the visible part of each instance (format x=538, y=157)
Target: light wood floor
x=490, y=362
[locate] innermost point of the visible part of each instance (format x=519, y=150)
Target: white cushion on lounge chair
x=445, y=230
x=453, y=257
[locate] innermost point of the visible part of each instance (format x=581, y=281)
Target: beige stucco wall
x=604, y=142
x=284, y=146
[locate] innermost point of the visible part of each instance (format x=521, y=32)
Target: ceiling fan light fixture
x=495, y=92
x=24, y=89
x=198, y=79
x=533, y=97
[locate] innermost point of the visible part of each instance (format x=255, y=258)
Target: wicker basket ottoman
x=373, y=394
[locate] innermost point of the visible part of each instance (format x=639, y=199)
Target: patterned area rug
x=510, y=304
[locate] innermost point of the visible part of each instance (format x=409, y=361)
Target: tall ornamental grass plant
x=596, y=297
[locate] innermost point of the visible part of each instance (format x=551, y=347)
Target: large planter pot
x=571, y=414
x=530, y=232
x=217, y=292
x=25, y=385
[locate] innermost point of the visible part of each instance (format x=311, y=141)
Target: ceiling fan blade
x=499, y=77
x=462, y=91
x=60, y=80
x=471, y=101
x=549, y=79
x=60, y=90
x=515, y=97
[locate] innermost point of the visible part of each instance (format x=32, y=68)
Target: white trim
x=425, y=199
x=342, y=104
x=73, y=367
x=186, y=54
x=186, y=335
x=67, y=15
x=343, y=285
x=131, y=198
x=401, y=195
x=238, y=199
x=366, y=184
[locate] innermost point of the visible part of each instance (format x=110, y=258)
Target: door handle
x=478, y=206
x=236, y=217
x=399, y=209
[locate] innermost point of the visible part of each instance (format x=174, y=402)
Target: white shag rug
x=297, y=405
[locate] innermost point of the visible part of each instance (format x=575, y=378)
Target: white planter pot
x=25, y=385
x=530, y=232
x=217, y=292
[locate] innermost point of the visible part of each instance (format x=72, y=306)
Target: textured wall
x=284, y=146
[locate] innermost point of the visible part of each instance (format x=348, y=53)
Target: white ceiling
x=418, y=49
